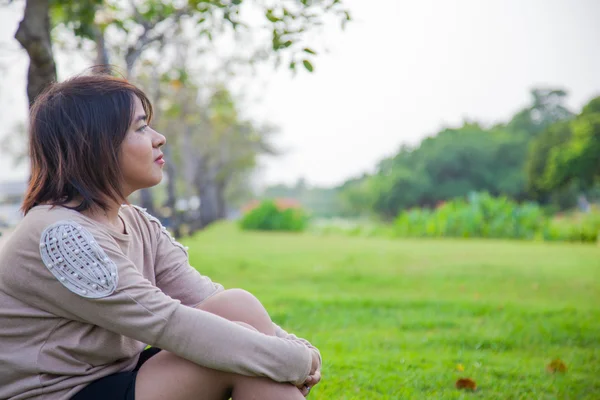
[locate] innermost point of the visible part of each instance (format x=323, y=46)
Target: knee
x=238, y=299
x=240, y=306
x=235, y=305
x=237, y=293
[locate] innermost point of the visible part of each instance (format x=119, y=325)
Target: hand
x=316, y=363
x=314, y=377
x=310, y=382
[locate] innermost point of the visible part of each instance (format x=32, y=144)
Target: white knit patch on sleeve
x=70, y=252
x=164, y=230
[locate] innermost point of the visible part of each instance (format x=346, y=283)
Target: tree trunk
x=147, y=201
x=175, y=215
x=205, y=187
x=220, y=199
x=187, y=152
x=34, y=35
x=171, y=179
x=102, y=60
x=209, y=207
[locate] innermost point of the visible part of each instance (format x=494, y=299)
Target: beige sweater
x=79, y=301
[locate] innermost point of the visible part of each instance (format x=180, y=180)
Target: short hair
x=76, y=128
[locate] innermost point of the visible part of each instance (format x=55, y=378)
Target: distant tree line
x=544, y=153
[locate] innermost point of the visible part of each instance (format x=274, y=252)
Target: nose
x=159, y=140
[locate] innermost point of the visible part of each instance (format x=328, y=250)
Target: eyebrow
x=141, y=118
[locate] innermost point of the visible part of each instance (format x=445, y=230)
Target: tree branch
x=34, y=35
x=148, y=36
x=139, y=18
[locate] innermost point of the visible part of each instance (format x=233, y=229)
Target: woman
x=86, y=283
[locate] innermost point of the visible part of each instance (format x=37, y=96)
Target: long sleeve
x=124, y=302
x=281, y=333
x=174, y=275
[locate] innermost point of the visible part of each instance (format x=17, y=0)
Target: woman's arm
x=87, y=278
x=281, y=333
x=174, y=274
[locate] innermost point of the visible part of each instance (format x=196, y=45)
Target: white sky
x=399, y=72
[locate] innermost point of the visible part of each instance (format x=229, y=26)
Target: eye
x=143, y=128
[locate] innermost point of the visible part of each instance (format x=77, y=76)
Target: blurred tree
x=458, y=161
x=581, y=159
x=547, y=107
x=567, y=154
x=138, y=24
x=356, y=196
x=212, y=147
x=556, y=136
x=452, y=163
x=131, y=28
x=34, y=35
x=231, y=149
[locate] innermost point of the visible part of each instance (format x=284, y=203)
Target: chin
x=158, y=179
x=154, y=182
x=148, y=184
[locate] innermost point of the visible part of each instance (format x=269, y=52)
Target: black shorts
x=119, y=386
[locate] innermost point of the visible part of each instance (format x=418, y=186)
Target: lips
x=160, y=160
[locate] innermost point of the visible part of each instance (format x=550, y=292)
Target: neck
x=111, y=214
x=109, y=217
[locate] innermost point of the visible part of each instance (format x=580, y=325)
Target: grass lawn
x=397, y=319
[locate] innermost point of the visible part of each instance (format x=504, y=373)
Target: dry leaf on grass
x=466, y=384
x=556, y=366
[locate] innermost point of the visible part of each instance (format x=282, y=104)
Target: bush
x=484, y=216
x=480, y=216
x=268, y=217
x=576, y=227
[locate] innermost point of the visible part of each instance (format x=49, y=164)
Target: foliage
x=450, y=164
x=547, y=107
x=357, y=197
x=138, y=25
x=212, y=145
x=538, y=162
x=77, y=16
x=580, y=159
x=566, y=153
x=394, y=318
x=574, y=227
x=464, y=159
x=481, y=216
x=268, y=217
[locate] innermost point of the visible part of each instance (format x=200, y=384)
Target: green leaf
x=308, y=65
x=309, y=51
x=271, y=17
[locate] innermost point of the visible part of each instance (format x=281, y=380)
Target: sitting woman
x=86, y=283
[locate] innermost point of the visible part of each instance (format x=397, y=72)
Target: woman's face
x=140, y=157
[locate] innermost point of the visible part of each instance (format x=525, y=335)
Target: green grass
x=393, y=318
